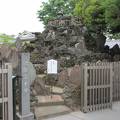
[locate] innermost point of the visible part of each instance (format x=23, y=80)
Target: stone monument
x=25, y=71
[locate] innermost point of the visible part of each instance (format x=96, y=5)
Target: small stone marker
x=52, y=66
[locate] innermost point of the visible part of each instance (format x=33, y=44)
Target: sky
x=17, y=16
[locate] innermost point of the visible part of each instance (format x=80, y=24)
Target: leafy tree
x=6, y=39
x=105, y=14
x=112, y=14
x=51, y=8
x=92, y=13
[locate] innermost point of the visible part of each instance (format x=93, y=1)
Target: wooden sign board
x=52, y=66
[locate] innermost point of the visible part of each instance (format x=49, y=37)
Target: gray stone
x=38, y=86
x=32, y=72
x=71, y=79
x=24, y=108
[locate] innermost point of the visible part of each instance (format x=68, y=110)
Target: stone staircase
x=50, y=106
x=45, y=112
x=50, y=100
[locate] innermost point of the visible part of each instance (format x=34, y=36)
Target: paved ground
x=108, y=114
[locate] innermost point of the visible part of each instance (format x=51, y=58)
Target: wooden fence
x=6, y=105
x=116, y=81
x=96, y=86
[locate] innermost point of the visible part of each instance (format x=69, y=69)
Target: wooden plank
x=94, y=89
x=111, y=84
x=99, y=89
x=98, y=67
x=103, y=86
x=114, y=82
x=102, y=83
x=3, y=71
x=107, y=83
x=10, y=102
x=90, y=78
x=119, y=81
x=82, y=86
x=3, y=93
x=3, y=100
x=85, y=86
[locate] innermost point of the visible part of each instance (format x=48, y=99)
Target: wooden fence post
x=85, y=86
x=10, y=95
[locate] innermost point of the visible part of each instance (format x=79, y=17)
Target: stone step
x=51, y=111
x=55, y=90
x=49, y=100
x=41, y=75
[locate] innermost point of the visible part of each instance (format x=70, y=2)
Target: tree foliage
x=50, y=9
x=104, y=13
x=98, y=15
x=6, y=39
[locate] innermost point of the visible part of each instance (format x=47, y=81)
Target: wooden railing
x=6, y=105
x=116, y=81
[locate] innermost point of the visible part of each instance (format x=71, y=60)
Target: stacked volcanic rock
x=63, y=39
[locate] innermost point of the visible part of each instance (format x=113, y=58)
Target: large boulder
x=62, y=78
x=70, y=80
x=74, y=75
x=38, y=87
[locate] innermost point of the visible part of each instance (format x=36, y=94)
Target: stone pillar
x=24, y=108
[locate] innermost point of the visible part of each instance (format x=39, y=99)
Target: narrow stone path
x=50, y=106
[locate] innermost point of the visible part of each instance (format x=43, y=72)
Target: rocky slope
x=66, y=39
x=62, y=40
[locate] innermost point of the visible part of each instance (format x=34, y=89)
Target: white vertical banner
x=52, y=66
